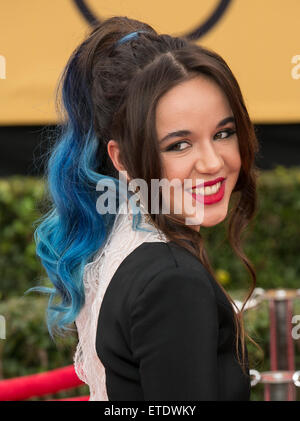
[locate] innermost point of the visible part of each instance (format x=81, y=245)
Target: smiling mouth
x=208, y=190
x=209, y=196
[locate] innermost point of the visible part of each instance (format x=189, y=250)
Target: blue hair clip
x=128, y=37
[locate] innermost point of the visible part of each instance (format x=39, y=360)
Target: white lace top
x=122, y=240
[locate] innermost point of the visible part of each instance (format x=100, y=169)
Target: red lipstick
x=209, y=183
x=211, y=198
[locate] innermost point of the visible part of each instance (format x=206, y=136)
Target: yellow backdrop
x=259, y=39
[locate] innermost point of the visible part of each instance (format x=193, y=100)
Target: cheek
x=232, y=158
x=175, y=168
x=236, y=162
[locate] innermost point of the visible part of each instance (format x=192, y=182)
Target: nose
x=208, y=159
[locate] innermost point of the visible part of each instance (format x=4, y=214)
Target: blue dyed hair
x=71, y=232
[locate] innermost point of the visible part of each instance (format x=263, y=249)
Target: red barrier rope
x=21, y=388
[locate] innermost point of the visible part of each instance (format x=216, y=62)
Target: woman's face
x=205, y=147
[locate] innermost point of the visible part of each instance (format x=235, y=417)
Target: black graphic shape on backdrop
x=198, y=32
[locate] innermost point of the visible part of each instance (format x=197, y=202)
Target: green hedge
x=271, y=244
x=20, y=206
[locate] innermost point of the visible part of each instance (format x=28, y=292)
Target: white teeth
x=207, y=190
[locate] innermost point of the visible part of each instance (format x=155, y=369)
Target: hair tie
x=128, y=37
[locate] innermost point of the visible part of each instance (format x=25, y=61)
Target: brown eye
x=175, y=148
x=229, y=133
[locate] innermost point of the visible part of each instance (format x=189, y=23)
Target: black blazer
x=166, y=330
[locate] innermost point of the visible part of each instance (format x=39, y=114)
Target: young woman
x=153, y=322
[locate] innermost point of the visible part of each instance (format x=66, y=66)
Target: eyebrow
x=180, y=133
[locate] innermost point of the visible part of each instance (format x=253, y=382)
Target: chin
x=211, y=222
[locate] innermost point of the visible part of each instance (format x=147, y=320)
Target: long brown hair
x=125, y=83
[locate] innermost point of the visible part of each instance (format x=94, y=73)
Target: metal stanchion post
x=280, y=382
x=281, y=344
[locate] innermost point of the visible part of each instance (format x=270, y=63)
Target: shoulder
x=159, y=266
x=152, y=258
x=176, y=287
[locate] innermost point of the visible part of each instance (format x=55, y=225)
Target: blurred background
x=260, y=42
